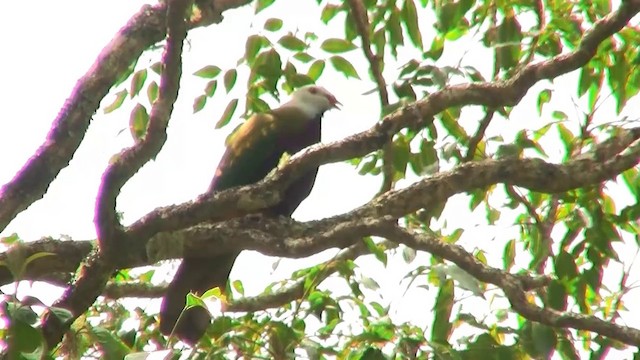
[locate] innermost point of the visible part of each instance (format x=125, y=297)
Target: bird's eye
x=313, y=90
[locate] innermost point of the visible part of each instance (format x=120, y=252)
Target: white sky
x=56, y=42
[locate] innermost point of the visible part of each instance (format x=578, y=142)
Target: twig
x=359, y=13
x=477, y=137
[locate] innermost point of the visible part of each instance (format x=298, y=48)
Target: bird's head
x=314, y=99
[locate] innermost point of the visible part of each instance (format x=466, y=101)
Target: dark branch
x=477, y=137
x=513, y=286
x=493, y=95
x=94, y=275
x=294, y=239
x=145, y=28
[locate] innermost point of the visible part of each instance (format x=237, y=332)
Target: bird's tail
x=194, y=275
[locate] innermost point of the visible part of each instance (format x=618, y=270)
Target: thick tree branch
x=277, y=298
x=512, y=286
x=94, y=275
x=415, y=116
x=339, y=231
x=145, y=28
x=171, y=241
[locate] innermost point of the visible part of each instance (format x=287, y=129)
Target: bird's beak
x=334, y=102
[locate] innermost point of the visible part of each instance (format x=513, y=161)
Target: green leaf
x=509, y=254
x=441, y=328
x=227, y=114
x=152, y=92
x=221, y=325
x=269, y=65
x=253, y=46
x=138, y=122
x=408, y=254
x=156, y=67
x=237, y=286
x=230, y=79
x=369, y=283
x=437, y=48
x=196, y=301
x=213, y=293
x=565, y=266
x=543, y=97
x=112, y=347
x=117, y=102
x=329, y=12
x=211, y=87
x=273, y=24
x=509, y=42
x=567, y=137
x=63, y=315
x=300, y=80
x=337, y=46
x=208, y=72
x=303, y=57
x=263, y=4
x=199, y=102
x=450, y=123
x=137, y=82
x=377, y=251
x=410, y=18
x=291, y=42
x=316, y=69
x=18, y=312
x=372, y=353
x=544, y=340
x=395, y=31
x=344, y=66
x=23, y=338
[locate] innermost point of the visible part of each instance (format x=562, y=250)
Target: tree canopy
x=506, y=148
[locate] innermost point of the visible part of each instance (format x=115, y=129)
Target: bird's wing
x=256, y=147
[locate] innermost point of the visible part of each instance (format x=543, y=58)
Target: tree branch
x=493, y=95
x=144, y=29
x=359, y=14
x=279, y=297
x=94, y=275
x=512, y=287
x=294, y=239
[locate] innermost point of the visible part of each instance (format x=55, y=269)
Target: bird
x=252, y=152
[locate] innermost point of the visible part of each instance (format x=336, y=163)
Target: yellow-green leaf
x=337, y=46
x=137, y=82
x=315, y=70
x=227, y=114
x=138, y=121
x=152, y=92
x=199, y=102
x=344, y=66
x=410, y=19
x=252, y=47
x=263, y=4
x=117, y=102
x=292, y=43
x=230, y=79
x=208, y=72
x=211, y=87
x=273, y=24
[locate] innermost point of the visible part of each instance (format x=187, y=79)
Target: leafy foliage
x=575, y=237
